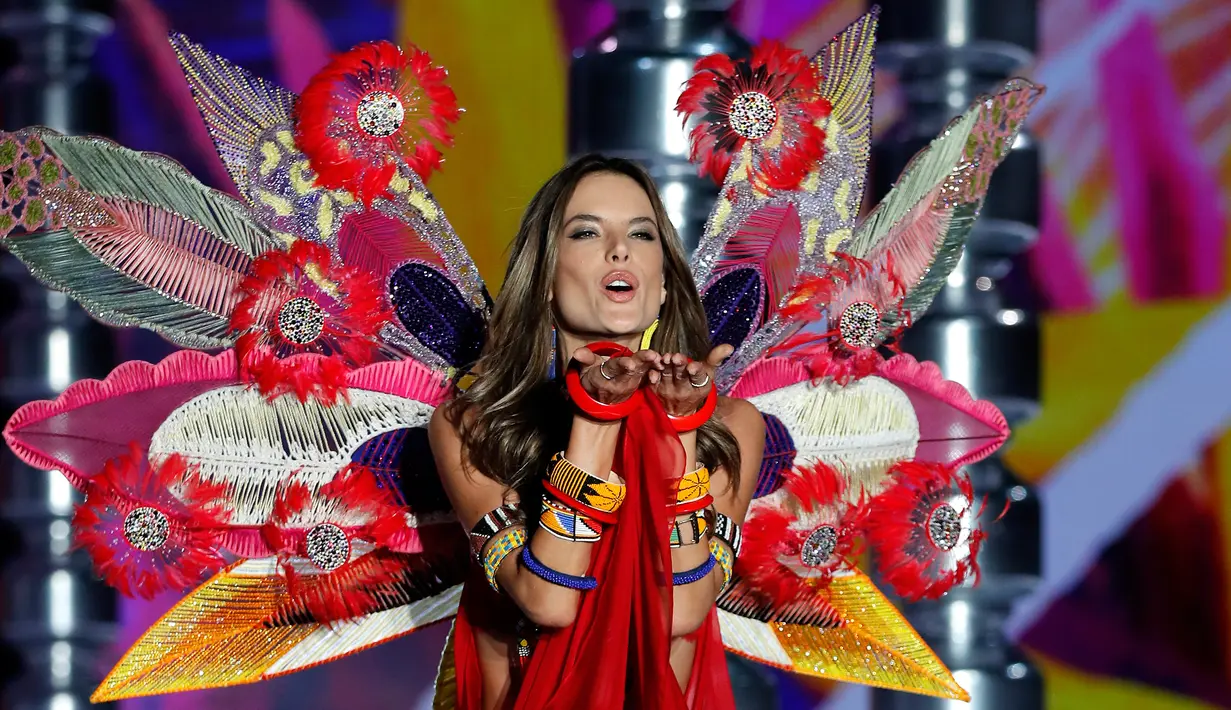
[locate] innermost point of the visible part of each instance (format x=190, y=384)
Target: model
x=625, y=464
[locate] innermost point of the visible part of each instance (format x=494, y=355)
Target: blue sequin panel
x=778, y=458
x=434, y=311
x=733, y=305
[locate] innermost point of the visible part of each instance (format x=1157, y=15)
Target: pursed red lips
x=620, y=286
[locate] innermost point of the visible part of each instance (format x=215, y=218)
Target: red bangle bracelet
x=692, y=422
x=592, y=407
x=691, y=506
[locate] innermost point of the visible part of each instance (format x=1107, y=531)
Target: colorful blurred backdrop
x=1132, y=451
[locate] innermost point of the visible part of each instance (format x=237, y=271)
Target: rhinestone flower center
x=380, y=114
x=301, y=320
x=859, y=325
x=753, y=115
x=146, y=529
x=945, y=527
x=819, y=546
x=328, y=546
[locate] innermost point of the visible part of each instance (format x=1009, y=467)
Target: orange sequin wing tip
x=868, y=642
x=222, y=634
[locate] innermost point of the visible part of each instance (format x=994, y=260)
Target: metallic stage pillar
x=622, y=91
x=981, y=330
x=56, y=619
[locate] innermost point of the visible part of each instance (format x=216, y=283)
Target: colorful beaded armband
x=724, y=558
x=584, y=491
x=504, y=545
x=567, y=524
x=693, y=486
x=494, y=522
x=729, y=532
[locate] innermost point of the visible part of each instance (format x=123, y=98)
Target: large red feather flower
x=368, y=108
x=773, y=99
x=295, y=302
x=792, y=549
x=850, y=302
x=924, y=530
x=343, y=535
x=150, y=527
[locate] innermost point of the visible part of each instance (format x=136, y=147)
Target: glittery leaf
x=157, y=250
x=922, y=225
x=733, y=305
x=109, y=170
x=847, y=63
x=237, y=106
x=434, y=312
x=61, y=262
x=867, y=641
x=224, y=633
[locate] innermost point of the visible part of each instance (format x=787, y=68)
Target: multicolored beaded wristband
x=583, y=491
x=696, y=574
x=504, y=544
x=494, y=522
x=568, y=524
x=729, y=532
x=720, y=553
x=693, y=485
x=559, y=579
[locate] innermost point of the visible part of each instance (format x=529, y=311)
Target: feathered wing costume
x=283, y=481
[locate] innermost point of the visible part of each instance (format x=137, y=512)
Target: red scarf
x=615, y=655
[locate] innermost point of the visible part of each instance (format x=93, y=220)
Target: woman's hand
x=613, y=380
x=681, y=385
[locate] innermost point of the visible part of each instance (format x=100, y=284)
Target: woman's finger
x=719, y=355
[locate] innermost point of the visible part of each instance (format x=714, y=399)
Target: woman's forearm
x=591, y=448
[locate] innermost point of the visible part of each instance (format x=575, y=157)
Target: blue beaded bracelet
x=559, y=579
x=697, y=574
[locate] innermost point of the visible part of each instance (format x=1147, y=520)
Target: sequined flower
x=151, y=526
x=343, y=534
x=923, y=530
x=792, y=547
x=368, y=108
x=773, y=100
x=295, y=302
x=843, y=316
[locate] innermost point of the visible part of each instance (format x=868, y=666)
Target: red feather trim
x=920, y=552
x=348, y=152
x=791, y=84
x=366, y=512
x=777, y=559
x=350, y=301
x=351, y=591
x=854, y=284
x=194, y=511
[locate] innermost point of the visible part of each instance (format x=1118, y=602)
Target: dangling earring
x=648, y=335
x=551, y=364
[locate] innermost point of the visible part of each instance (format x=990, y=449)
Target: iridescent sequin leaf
x=921, y=226
x=133, y=264
x=236, y=106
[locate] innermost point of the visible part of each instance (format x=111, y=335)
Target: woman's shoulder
x=741, y=417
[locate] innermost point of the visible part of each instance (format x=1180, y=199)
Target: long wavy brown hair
x=513, y=417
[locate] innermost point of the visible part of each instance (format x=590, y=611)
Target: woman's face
x=609, y=270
